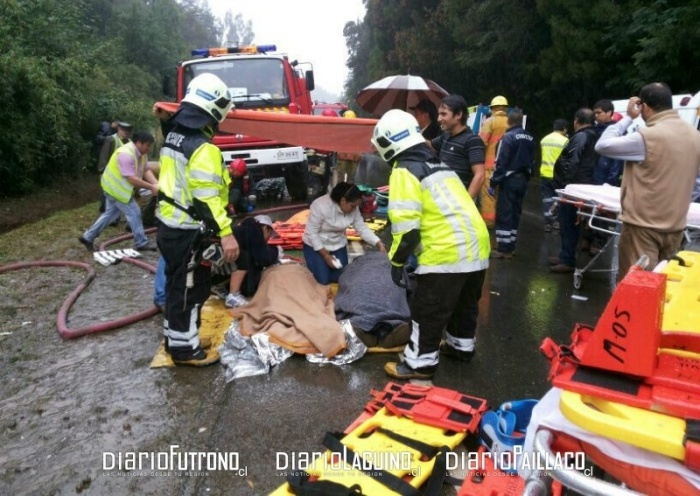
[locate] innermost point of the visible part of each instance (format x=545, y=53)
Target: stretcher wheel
x=578, y=281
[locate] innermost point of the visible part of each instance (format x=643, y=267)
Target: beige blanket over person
x=295, y=310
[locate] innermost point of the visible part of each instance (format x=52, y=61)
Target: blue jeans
x=159, y=284
x=131, y=211
x=547, y=192
x=318, y=267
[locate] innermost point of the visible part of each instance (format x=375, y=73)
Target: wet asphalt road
x=287, y=411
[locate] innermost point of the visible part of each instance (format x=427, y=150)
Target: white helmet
x=395, y=132
x=210, y=94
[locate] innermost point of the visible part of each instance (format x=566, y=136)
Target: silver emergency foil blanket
x=354, y=350
x=270, y=353
x=248, y=356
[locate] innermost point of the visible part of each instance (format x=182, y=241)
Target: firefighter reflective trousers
x=509, y=207
x=442, y=301
x=182, y=305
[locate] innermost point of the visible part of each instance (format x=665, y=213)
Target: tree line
x=549, y=57
x=67, y=65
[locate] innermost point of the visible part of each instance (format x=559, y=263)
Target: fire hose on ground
x=62, y=315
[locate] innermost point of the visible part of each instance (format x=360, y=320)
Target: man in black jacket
x=574, y=166
x=515, y=159
x=426, y=115
x=255, y=255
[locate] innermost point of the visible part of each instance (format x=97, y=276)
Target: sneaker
x=193, y=357
x=403, y=371
x=500, y=254
x=548, y=228
x=562, y=269
x=147, y=247
x=556, y=225
x=89, y=245
x=451, y=351
x=235, y=300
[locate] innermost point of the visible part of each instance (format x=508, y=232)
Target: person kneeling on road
x=193, y=197
x=255, y=255
x=432, y=215
x=125, y=171
x=325, y=243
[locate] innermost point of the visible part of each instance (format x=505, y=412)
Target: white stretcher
x=600, y=205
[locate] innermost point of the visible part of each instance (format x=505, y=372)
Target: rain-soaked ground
x=69, y=409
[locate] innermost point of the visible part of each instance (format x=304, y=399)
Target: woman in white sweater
x=325, y=244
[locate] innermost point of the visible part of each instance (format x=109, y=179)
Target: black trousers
x=442, y=301
x=183, y=305
x=509, y=208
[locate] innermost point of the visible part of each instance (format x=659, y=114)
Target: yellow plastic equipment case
x=371, y=443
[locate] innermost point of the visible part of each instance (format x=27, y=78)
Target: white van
x=688, y=107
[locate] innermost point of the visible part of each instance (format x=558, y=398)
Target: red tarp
x=312, y=131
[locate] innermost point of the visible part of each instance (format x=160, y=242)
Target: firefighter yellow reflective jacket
x=113, y=182
x=429, y=198
x=193, y=174
x=552, y=145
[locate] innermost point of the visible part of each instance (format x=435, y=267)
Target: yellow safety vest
x=552, y=145
x=113, y=182
x=202, y=177
x=454, y=237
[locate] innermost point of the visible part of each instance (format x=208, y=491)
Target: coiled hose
x=62, y=316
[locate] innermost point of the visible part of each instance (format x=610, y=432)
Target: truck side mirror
x=310, y=85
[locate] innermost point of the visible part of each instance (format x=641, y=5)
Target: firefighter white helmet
x=210, y=94
x=395, y=132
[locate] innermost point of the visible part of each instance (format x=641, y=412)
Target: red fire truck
x=261, y=79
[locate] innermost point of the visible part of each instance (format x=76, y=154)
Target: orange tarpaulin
x=311, y=131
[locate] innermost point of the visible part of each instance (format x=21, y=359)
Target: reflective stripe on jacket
x=431, y=198
x=552, y=145
x=113, y=182
x=193, y=174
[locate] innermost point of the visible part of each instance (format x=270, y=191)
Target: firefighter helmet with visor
x=210, y=94
x=395, y=132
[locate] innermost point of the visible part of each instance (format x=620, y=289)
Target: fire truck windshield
x=253, y=82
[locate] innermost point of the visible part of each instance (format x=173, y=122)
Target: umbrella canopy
x=398, y=92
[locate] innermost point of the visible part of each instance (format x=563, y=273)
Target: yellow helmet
x=349, y=114
x=499, y=101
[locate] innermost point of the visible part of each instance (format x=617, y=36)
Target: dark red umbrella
x=398, y=92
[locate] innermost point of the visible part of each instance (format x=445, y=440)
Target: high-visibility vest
x=191, y=168
x=113, y=182
x=551, y=145
x=454, y=237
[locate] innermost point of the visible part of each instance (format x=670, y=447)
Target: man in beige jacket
x=661, y=163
